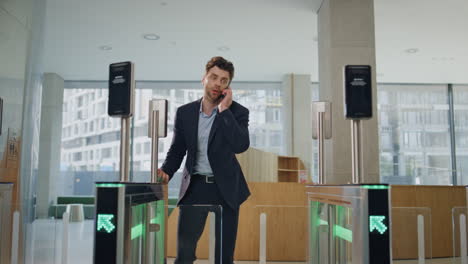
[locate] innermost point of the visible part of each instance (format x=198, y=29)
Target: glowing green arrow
x=376, y=222
x=104, y=221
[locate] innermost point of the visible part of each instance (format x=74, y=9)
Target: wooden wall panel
x=259, y=166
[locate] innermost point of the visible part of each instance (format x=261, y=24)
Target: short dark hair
x=221, y=63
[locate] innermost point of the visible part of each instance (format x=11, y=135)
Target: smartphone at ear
x=221, y=97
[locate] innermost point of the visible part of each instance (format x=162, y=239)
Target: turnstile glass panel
x=72, y=235
x=202, y=221
x=331, y=236
x=282, y=233
x=460, y=235
x=273, y=232
x=42, y=247
x=411, y=234
x=147, y=232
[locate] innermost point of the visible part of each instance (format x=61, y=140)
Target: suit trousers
x=201, y=198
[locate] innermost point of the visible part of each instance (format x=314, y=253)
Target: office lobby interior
x=326, y=186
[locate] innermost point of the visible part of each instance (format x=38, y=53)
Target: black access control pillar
x=121, y=89
x=358, y=91
x=357, y=107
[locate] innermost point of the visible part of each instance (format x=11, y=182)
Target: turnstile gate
x=349, y=224
x=130, y=223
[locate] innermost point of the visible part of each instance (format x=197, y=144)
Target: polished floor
x=47, y=238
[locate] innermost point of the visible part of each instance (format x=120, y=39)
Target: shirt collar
x=215, y=110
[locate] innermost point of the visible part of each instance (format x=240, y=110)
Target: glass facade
x=414, y=130
x=414, y=134
x=90, y=142
x=460, y=99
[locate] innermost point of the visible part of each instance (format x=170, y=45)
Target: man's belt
x=206, y=178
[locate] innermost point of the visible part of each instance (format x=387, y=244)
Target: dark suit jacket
x=229, y=135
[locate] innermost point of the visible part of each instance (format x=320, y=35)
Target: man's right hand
x=162, y=176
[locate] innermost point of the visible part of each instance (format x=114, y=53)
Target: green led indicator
x=323, y=222
x=137, y=231
x=375, y=187
x=343, y=233
x=376, y=223
x=339, y=231
x=104, y=222
x=110, y=185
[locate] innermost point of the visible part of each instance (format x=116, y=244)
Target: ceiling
x=264, y=38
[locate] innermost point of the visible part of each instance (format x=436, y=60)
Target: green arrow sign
x=376, y=223
x=104, y=222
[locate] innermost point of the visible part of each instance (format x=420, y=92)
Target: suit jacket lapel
x=196, y=112
x=213, y=129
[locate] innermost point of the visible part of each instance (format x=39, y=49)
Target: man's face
x=215, y=81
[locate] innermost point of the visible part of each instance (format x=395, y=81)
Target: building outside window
x=414, y=134
x=259, y=98
x=414, y=130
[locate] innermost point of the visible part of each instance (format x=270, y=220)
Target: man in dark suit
x=210, y=131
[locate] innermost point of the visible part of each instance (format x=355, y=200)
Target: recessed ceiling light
x=223, y=48
x=411, y=50
x=105, y=47
x=150, y=36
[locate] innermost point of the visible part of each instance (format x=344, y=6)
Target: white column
x=49, y=141
x=297, y=99
x=346, y=37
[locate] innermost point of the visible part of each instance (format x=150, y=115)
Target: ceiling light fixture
x=105, y=47
x=151, y=36
x=223, y=48
x=412, y=50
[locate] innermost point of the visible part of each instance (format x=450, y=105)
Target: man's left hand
x=227, y=100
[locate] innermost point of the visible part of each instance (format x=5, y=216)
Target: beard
x=212, y=97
